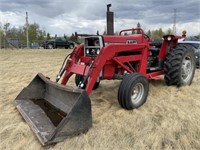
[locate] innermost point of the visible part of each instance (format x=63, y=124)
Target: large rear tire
x=133, y=91
x=179, y=66
x=79, y=78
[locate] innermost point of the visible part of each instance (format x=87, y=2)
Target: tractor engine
x=154, y=50
x=152, y=60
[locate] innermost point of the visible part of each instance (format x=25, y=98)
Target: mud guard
x=54, y=111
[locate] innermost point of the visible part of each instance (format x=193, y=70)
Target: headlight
x=92, y=51
x=169, y=38
x=98, y=51
x=87, y=51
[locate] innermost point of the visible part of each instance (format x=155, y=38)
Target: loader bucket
x=54, y=111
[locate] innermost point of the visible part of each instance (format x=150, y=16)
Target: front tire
x=179, y=66
x=133, y=91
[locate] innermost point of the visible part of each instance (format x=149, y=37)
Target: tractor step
x=154, y=68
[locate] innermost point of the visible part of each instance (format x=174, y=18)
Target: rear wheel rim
x=137, y=93
x=50, y=46
x=71, y=46
x=187, y=69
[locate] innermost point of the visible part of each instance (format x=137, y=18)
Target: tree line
x=37, y=35
x=9, y=32
x=157, y=33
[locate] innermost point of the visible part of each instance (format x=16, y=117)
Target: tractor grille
x=93, y=46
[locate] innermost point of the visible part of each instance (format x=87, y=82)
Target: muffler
x=53, y=111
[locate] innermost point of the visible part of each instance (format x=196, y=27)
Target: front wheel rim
x=137, y=93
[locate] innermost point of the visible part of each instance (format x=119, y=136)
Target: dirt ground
x=170, y=119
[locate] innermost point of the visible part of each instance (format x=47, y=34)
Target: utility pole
x=174, y=26
x=27, y=39
x=0, y=35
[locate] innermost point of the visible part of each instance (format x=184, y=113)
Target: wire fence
x=15, y=43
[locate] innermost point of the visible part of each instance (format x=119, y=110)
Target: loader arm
x=77, y=52
x=108, y=53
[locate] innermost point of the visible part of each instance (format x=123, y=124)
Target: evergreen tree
x=149, y=33
x=138, y=26
x=65, y=36
x=157, y=34
x=48, y=36
x=72, y=37
x=6, y=26
x=75, y=39
x=169, y=31
x=160, y=32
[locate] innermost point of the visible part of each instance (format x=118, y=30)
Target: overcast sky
x=88, y=16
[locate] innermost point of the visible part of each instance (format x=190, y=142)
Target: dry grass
x=170, y=119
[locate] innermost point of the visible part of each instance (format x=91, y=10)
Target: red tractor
x=132, y=58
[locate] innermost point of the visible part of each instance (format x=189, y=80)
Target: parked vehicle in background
x=57, y=43
x=195, y=43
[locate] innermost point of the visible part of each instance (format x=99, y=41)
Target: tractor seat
x=154, y=49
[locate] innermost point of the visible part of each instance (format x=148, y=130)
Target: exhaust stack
x=110, y=21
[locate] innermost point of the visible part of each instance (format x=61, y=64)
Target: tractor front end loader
x=54, y=111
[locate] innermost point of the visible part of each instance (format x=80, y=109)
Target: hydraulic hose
x=62, y=69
